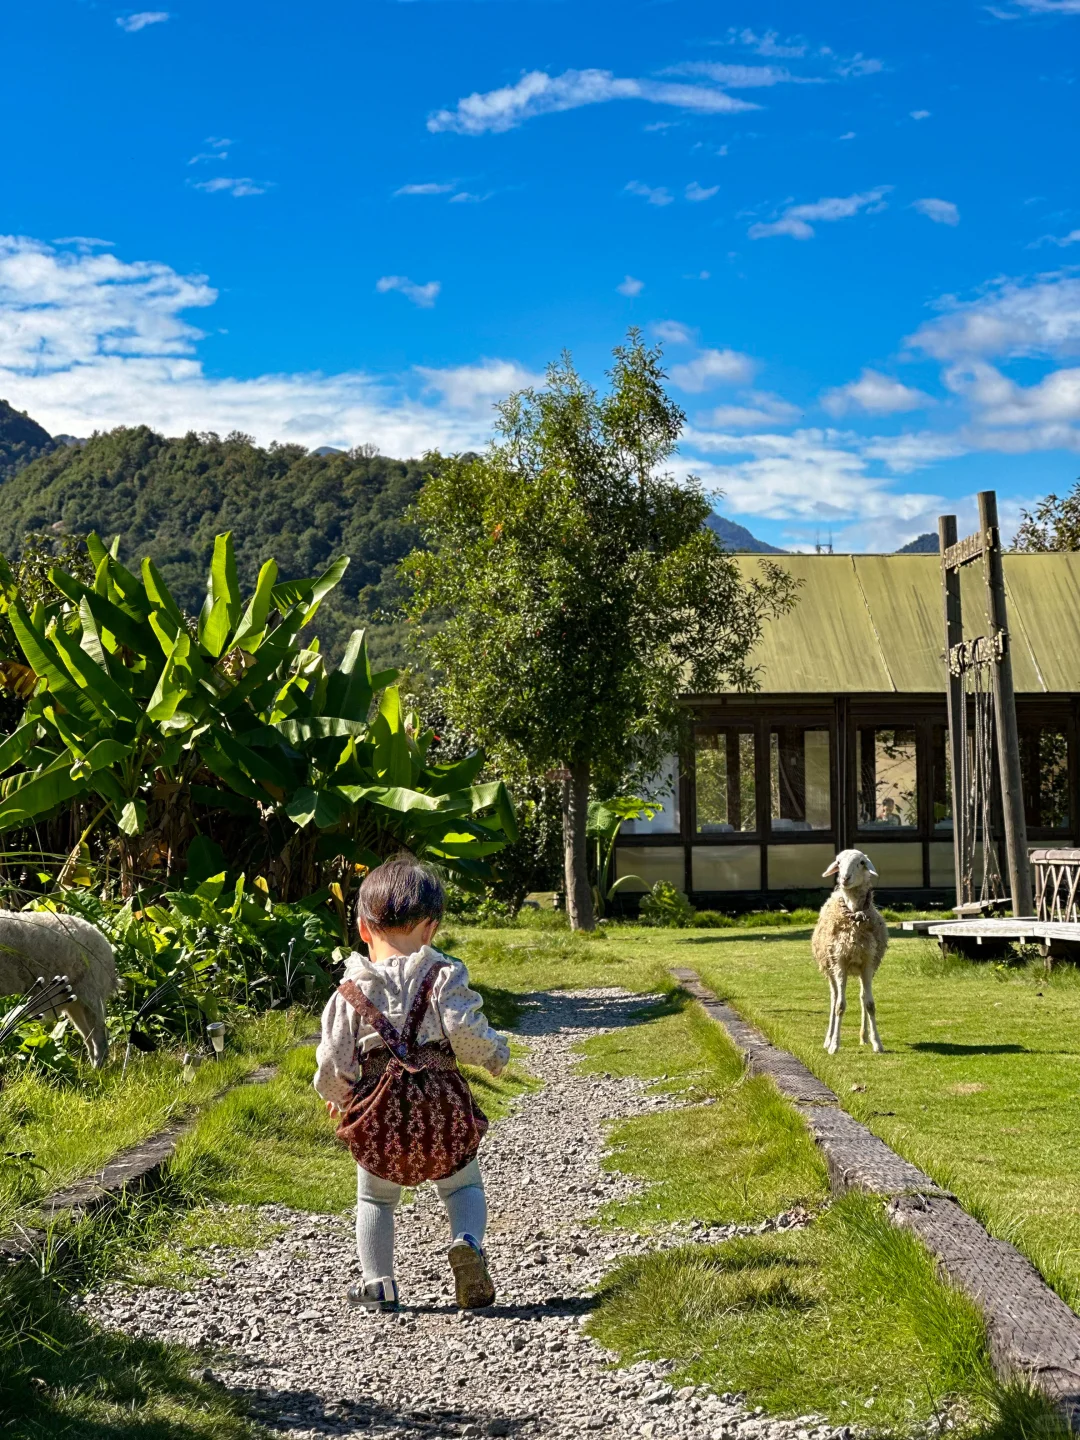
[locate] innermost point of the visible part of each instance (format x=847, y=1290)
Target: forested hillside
x=21, y=440
x=168, y=498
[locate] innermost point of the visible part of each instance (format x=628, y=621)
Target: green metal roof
x=873, y=624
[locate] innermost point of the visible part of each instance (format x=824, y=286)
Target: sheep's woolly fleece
x=277, y=1328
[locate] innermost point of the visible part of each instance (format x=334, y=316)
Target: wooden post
x=1008, y=737
x=954, y=633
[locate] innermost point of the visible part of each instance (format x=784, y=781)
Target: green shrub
x=666, y=906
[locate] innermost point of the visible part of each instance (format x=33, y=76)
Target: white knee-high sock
x=375, y=1238
x=466, y=1209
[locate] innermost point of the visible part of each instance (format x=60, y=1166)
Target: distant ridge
x=925, y=544
x=21, y=440
x=737, y=537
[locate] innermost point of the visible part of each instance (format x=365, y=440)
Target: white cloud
x=58, y=310
x=673, y=332
x=1013, y=317
x=770, y=47
x=811, y=474
x=88, y=342
x=762, y=410
x=920, y=114
x=874, y=394
x=768, y=44
x=795, y=220
x=134, y=23
x=238, y=186
x=696, y=192
x=743, y=77
x=422, y=295
x=1072, y=238
x=914, y=451
x=466, y=197
x=1050, y=7
x=1047, y=411
x=538, y=93
x=655, y=196
x=85, y=242
x=857, y=65
x=430, y=187
x=847, y=135
x=630, y=286
x=942, y=212
x=474, y=389
x=219, y=150
x=710, y=368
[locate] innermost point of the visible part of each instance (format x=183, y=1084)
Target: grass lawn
x=979, y=1085
x=53, y=1131
x=846, y=1317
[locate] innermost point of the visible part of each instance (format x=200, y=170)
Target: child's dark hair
x=400, y=894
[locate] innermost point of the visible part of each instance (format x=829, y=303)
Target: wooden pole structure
x=1008, y=737
x=954, y=634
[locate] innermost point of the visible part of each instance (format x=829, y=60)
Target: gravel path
x=280, y=1330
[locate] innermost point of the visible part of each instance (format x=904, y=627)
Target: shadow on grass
x=62, y=1375
x=946, y=1047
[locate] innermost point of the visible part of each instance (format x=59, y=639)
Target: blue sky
x=855, y=229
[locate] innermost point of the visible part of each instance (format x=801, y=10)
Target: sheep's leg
x=840, y=1006
x=833, y=1011
x=869, y=1012
x=92, y=1029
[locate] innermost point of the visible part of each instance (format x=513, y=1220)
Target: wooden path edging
x=134, y=1169
x=1033, y=1335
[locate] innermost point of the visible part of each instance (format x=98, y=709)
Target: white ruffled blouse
x=455, y=1013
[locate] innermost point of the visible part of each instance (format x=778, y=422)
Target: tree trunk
x=575, y=808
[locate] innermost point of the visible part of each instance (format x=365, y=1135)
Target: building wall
x=772, y=787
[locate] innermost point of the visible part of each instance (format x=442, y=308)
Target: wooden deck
x=1005, y=929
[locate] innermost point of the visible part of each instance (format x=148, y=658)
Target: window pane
x=888, y=797
x=724, y=761
x=942, y=780
x=799, y=776
x=663, y=788
x=1044, y=765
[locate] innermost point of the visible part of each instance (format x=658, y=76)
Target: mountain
x=737, y=537
x=168, y=498
x=21, y=440
x=926, y=544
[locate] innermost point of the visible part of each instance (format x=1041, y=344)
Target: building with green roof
x=843, y=743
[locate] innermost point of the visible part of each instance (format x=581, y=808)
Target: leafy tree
x=1054, y=524
x=581, y=593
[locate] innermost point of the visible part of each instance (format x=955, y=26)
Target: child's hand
x=332, y=1110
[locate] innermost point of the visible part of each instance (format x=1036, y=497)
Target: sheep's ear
x=832, y=870
x=870, y=868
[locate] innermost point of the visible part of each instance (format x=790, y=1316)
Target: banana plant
x=161, y=725
x=605, y=819
x=335, y=753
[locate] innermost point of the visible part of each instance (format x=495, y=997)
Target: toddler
x=400, y=907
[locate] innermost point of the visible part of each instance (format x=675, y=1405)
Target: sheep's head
x=853, y=870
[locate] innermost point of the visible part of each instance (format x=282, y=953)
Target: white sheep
x=41, y=942
x=850, y=938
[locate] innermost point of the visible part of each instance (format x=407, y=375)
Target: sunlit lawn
x=979, y=1085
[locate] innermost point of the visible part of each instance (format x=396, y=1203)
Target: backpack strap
x=415, y=1018
x=350, y=991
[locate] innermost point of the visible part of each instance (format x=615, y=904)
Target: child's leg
x=376, y=1201
x=466, y=1207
